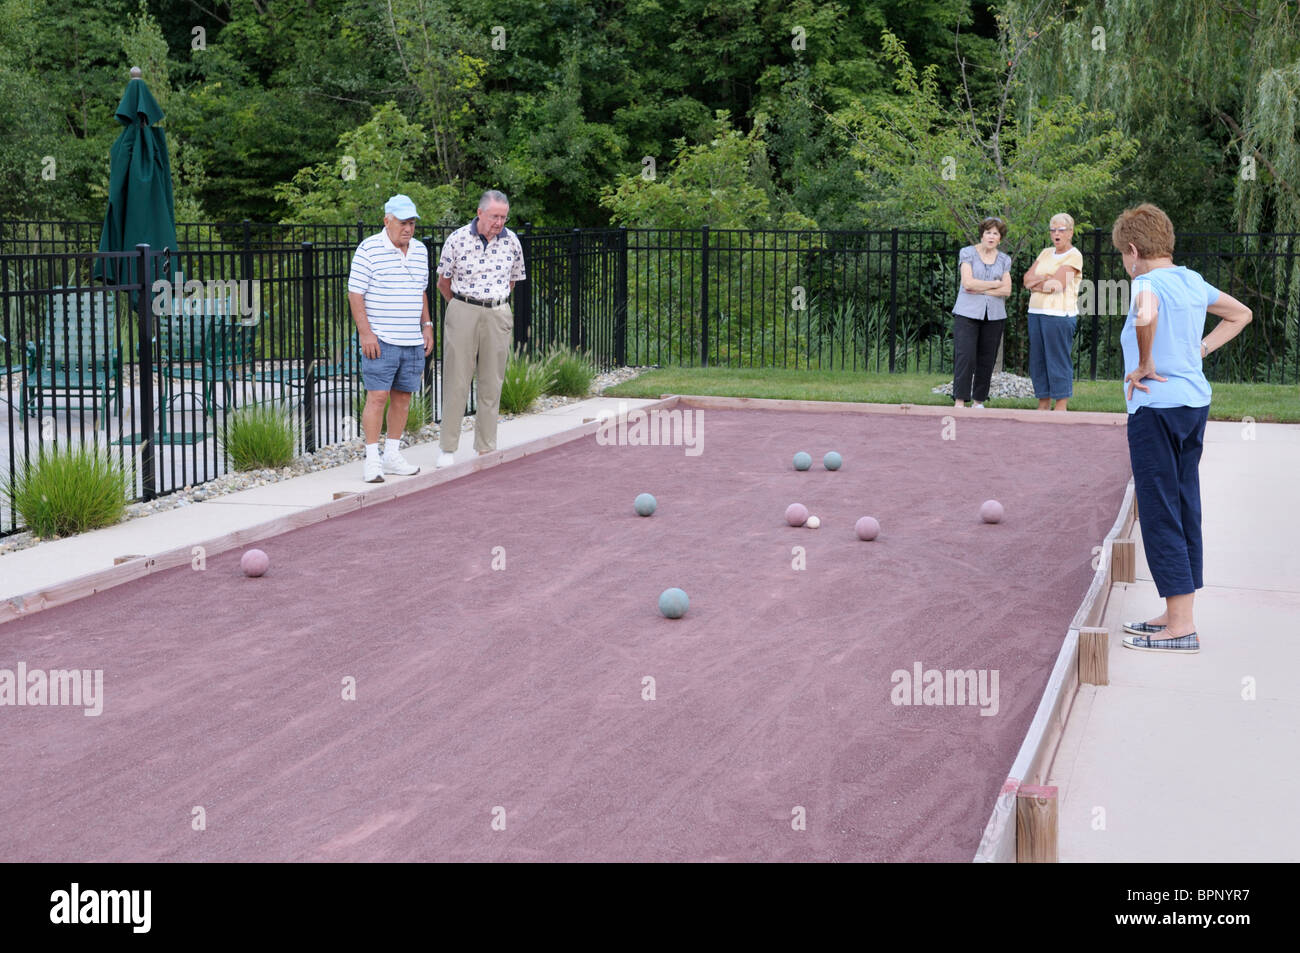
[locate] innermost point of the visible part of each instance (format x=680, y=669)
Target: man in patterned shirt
x=479, y=266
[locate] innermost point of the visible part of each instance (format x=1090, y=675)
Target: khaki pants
x=475, y=340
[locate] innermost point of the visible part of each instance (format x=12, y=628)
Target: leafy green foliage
x=558, y=101
x=374, y=161
x=69, y=491
x=949, y=168
x=718, y=183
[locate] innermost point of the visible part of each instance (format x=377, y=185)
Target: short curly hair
x=993, y=222
x=1146, y=228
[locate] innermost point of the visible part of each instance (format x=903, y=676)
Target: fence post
x=620, y=300
x=524, y=314
x=144, y=316
x=1096, y=297
x=704, y=298
x=309, y=347
x=575, y=289
x=893, y=294
x=246, y=260
x=430, y=379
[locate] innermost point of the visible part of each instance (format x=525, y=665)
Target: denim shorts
x=398, y=367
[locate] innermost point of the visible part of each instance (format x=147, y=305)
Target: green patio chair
x=336, y=372
x=75, y=354
x=205, y=340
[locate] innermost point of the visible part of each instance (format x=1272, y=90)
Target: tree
x=716, y=183
x=1209, y=87
x=950, y=167
x=374, y=161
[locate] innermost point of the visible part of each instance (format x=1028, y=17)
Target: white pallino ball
x=813, y=522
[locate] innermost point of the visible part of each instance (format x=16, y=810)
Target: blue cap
x=400, y=206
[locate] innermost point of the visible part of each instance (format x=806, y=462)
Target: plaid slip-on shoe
x=1143, y=628
x=1186, y=645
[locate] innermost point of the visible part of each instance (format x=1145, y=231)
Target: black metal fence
x=153, y=374
x=90, y=361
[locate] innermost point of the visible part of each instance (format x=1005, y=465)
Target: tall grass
x=69, y=491
x=526, y=380
x=259, y=437
x=572, y=372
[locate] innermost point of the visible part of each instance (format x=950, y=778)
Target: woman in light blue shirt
x=980, y=313
x=1168, y=401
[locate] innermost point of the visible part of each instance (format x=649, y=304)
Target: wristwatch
x=427, y=324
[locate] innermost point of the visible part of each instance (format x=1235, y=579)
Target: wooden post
x=1094, y=656
x=1123, y=558
x=1036, y=825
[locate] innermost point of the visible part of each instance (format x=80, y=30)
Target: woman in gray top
x=980, y=313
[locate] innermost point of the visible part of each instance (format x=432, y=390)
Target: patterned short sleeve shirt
x=479, y=268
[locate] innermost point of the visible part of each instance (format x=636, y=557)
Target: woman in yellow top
x=1053, y=313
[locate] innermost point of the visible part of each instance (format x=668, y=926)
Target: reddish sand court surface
x=518, y=695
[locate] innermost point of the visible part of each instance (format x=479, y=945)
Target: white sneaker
x=980, y=406
x=445, y=459
x=396, y=463
x=373, y=471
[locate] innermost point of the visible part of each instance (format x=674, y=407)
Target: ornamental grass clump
x=69, y=490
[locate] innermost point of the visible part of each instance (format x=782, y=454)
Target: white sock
x=390, y=447
x=372, y=451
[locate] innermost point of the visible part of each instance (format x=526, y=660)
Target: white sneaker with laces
x=445, y=459
x=980, y=406
x=373, y=471
x=396, y=463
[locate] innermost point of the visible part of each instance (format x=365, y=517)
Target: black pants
x=974, y=349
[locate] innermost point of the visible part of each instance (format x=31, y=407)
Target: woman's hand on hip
x=1135, y=378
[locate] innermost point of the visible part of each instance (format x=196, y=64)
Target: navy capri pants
x=1164, y=448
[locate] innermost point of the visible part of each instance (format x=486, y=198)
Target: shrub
x=69, y=491
x=259, y=436
x=526, y=379
x=571, y=372
x=417, y=417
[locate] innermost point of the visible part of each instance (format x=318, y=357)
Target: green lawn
x=1266, y=403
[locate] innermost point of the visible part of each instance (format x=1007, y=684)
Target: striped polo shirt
x=394, y=286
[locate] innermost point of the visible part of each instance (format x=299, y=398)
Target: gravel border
x=325, y=458
x=1002, y=385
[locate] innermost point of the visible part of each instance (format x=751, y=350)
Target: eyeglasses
x=1058, y=228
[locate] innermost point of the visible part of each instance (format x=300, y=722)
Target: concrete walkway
x=1182, y=759
x=1198, y=758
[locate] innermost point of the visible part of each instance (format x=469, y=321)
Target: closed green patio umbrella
x=140, y=205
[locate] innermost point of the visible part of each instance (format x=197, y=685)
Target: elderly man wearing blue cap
x=387, y=293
